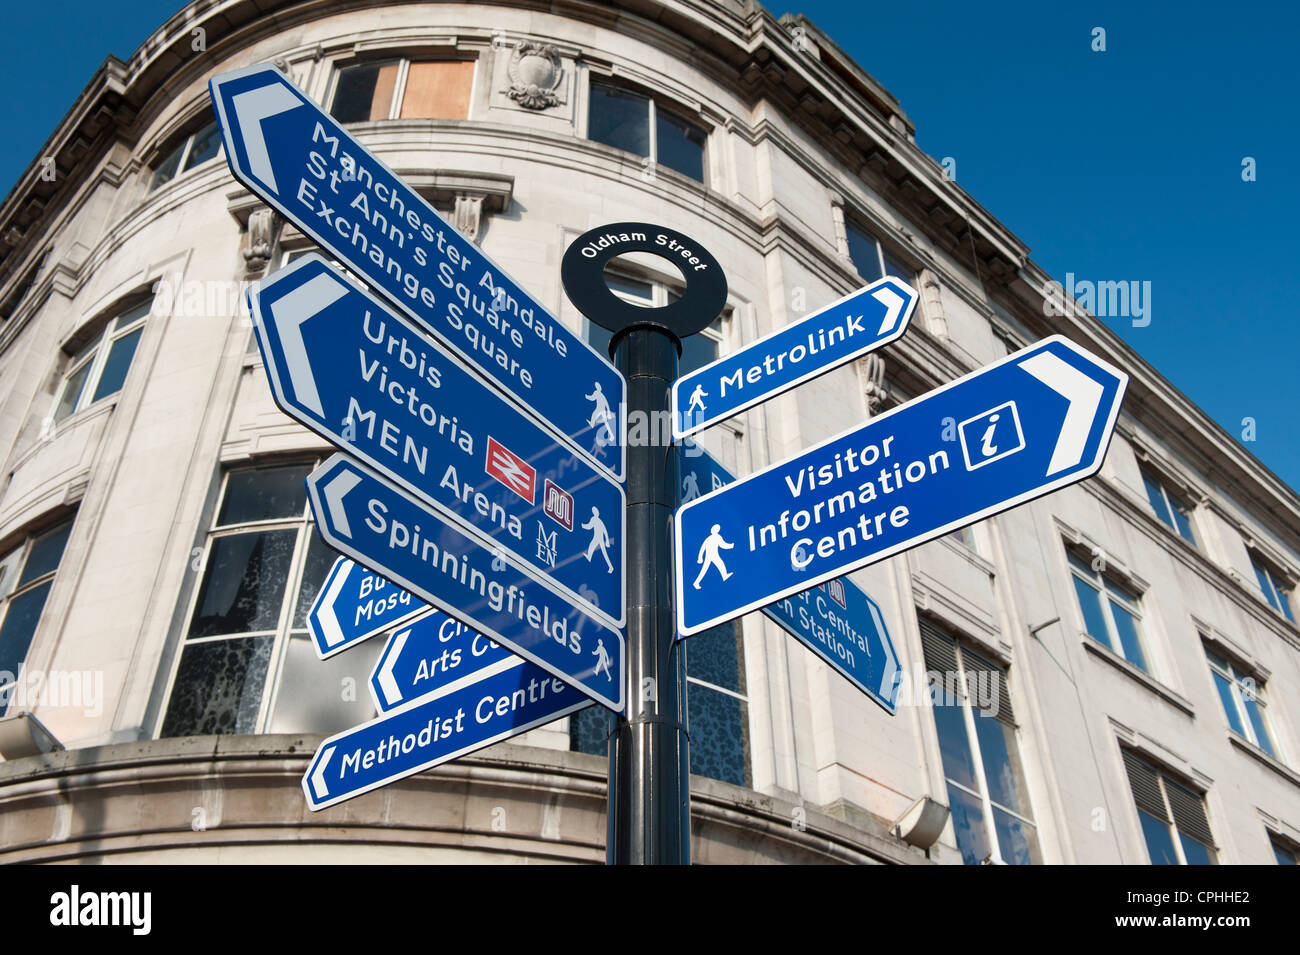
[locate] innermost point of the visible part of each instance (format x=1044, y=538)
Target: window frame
x=1237, y=677
x=853, y=225
x=1173, y=503
x=304, y=525
x=24, y=550
x=182, y=163
x=399, y=82
x=1278, y=596
x=94, y=355
x=1105, y=593
x=652, y=118
x=1163, y=780
x=969, y=717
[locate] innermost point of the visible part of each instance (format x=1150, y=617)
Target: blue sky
x=1115, y=165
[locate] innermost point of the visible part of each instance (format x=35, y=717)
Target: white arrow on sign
x=318, y=777
x=893, y=303
x=387, y=682
x=1084, y=395
x=329, y=621
x=289, y=313
x=335, y=491
x=251, y=109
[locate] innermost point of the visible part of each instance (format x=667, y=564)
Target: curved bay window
x=636, y=123
x=247, y=664
x=26, y=575
x=403, y=89
x=717, y=707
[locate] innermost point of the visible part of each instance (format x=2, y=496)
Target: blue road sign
x=1034, y=422
x=354, y=605
x=836, y=620
x=306, y=166
x=374, y=386
x=426, y=656
x=501, y=702
x=842, y=331
x=370, y=520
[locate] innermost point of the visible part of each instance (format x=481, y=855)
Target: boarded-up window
x=438, y=90
x=365, y=92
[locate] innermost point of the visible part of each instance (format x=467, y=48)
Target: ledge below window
x=1283, y=770
x=1141, y=676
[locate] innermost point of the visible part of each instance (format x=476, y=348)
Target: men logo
x=511, y=470
x=558, y=504
x=546, y=545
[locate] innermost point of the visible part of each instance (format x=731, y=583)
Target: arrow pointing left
x=373, y=385
x=353, y=605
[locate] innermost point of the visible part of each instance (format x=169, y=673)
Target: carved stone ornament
x=872, y=368
x=263, y=226
x=535, y=73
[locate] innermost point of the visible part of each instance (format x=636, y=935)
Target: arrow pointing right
x=1084, y=395
x=893, y=303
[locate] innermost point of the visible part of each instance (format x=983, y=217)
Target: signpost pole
x=649, y=765
x=649, y=744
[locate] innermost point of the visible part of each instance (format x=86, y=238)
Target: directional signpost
x=508, y=699
x=374, y=386
x=360, y=514
x=354, y=605
x=842, y=331
x=835, y=620
x=1036, y=421
x=306, y=166
x=426, y=656
x=510, y=531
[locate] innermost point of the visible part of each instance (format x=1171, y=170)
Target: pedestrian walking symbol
x=602, y=659
x=690, y=487
x=709, y=557
x=697, y=400
x=599, y=538
x=601, y=417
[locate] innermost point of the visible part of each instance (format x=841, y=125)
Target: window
x=1241, y=701
x=697, y=350
x=717, y=708
x=872, y=260
x=1270, y=584
x=977, y=739
x=635, y=123
x=26, y=574
x=1171, y=815
x=1282, y=851
x=247, y=664
x=964, y=536
x=99, y=367
x=402, y=89
x=1111, y=614
x=194, y=149
x=1169, y=507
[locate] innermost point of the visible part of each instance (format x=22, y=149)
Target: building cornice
x=788, y=62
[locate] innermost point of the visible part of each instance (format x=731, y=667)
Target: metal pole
x=649, y=778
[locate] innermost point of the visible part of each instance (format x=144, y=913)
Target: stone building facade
x=1122, y=657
